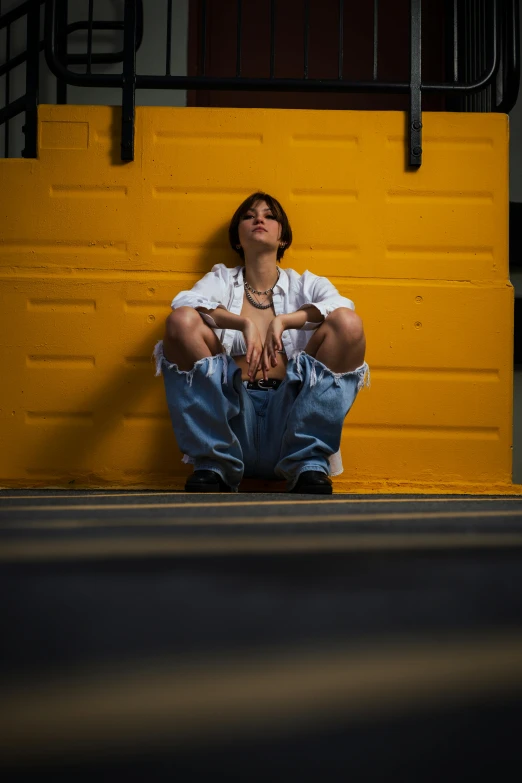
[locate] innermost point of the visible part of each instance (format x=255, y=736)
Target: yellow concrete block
x=92, y=251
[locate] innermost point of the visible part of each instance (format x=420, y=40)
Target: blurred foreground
x=260, y=638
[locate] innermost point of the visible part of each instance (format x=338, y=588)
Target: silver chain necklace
x=248, y=289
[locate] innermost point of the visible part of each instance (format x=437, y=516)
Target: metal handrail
x=168, y=81
x=79, y=59
x=502, y=52
x=512, y=64
x=28, y=102
x=129, y=81
x=17, y=13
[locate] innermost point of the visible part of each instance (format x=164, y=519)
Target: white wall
x=150, y=58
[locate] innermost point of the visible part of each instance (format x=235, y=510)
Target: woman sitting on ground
x=261, y=364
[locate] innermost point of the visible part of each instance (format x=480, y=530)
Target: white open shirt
x=225, y=286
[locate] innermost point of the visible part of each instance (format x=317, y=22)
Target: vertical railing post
x=169, y=38
x=341, y=38
x=60, y=29
x=129, y=81
x=415, y=116
x=375, y=39
x=203, y=39
x=272, y=38
x=306, y=32
x=32, y=79
x=89, y=37
x=239, y=15
x=510, y=45
x=7, y=86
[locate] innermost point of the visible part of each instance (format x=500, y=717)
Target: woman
x=244, y=396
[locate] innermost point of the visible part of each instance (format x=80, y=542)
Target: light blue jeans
x=277, y=434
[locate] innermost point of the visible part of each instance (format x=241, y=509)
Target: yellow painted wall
x=92, y=251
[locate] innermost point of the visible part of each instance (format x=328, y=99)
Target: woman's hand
x=273, y=344
x=254, y=347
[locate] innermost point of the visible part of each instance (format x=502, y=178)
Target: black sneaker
x=206, y=481
x=313, y=482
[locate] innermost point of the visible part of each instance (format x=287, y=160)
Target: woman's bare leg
x=188, y=338
x=339, y=343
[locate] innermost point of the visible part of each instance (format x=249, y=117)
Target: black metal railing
x=30, y=10
x=481, y=53
x=29, y=101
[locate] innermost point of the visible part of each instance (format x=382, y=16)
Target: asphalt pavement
x=260, y=636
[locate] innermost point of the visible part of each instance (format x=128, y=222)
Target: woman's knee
x=181, y=322
x=347, y=324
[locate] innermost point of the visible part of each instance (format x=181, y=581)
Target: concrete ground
x=260, y=637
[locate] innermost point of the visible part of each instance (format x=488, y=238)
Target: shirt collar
x=282, y=283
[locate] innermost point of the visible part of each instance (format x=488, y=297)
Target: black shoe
x=206, y=481
x=313, y=482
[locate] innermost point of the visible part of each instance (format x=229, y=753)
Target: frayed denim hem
x=208, y=466
x=362, y=373
x=213, y=362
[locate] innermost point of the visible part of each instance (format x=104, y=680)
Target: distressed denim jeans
x=277, y=434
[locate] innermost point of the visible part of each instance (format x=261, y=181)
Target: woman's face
x=259, y=229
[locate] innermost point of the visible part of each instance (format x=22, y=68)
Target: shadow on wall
x=132, y=399
x=115, y=404
x=217, y=250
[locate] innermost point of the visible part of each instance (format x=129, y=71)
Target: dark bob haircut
x=277, y=211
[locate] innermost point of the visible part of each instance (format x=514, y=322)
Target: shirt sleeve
x=209, y=292
x=321, y=293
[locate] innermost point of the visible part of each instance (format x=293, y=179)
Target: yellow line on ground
x=314, y=500
x=75, y=495
x=101, y=549
x=179, y=494
x=53, y=493
x=228, y=521
x=171, y=702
